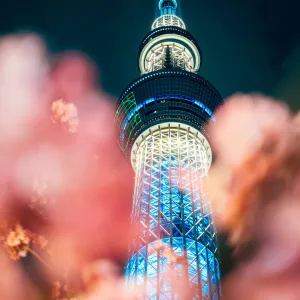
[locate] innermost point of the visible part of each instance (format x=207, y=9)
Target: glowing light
x=168, y=20
x=179, y=41
x=167, y=6
x=139, y=106
x=170, y=205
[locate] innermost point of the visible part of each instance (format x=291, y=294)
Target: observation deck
x=168, y=95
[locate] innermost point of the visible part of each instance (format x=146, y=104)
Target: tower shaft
x=169, y=202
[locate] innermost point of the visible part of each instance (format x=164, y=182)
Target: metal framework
x=168, y=20
x=181, y=57
x=185, y=52
x=169, y=202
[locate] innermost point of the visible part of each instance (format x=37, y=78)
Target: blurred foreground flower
x=65, y=114
x=14, y=284
x=254, y=187
x=255, y=151
x=54, y=193
x=17, y=241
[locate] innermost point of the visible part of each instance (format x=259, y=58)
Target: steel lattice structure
x=180, y=57
x=169, y=202
x=168, y=20
x=161, y=120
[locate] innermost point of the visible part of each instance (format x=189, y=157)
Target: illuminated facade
x=161, y=120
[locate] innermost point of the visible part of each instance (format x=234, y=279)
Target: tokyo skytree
x=161, y=118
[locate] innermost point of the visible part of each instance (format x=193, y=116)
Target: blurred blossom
x=73, y=77
x=45, y=162
x=110, y=290
x=105, y=281
x=65, y=114
x=254, y=189
x=250, y=282
x=39, y=191
x=93, y=206
x=22, y=70
x=242, y=123
x=17, y=242
x=13, y=283
x=248, y=141
x=217, y=185
x=65, y=187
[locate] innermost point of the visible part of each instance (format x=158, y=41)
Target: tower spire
x=168, y=15
x=167, y=7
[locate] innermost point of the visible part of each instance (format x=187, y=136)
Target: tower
x=161, y=120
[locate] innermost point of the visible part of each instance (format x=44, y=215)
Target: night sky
x=247, y=45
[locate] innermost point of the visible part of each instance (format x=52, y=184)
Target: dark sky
x=247, y=45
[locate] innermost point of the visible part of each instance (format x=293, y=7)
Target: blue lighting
x=139, y=106
x=181, y=220
x=130, y=115
x=167, y=7
x=144, y=268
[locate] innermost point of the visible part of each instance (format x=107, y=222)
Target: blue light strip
x=138, y=107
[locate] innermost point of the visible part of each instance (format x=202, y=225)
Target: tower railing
x=168, y=20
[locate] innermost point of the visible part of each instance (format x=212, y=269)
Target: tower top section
x=167, y=7
x=169, y=45
x=168, y=15
x=169, y=91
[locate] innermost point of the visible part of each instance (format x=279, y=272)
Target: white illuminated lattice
x=171, y=161
x=168, y=20
x=181, y=57
x=184, y=53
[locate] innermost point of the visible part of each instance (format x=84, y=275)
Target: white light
x=184, y=131
x=168, y=20
x=182, y=48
